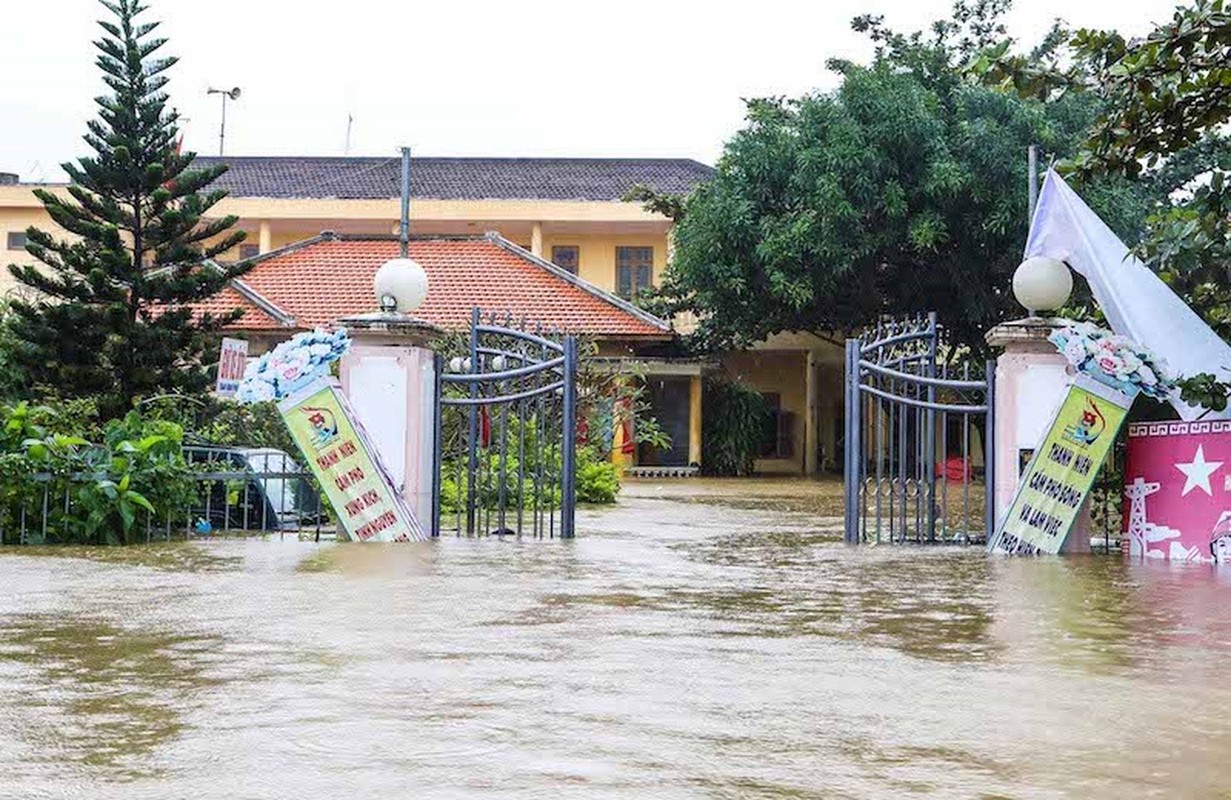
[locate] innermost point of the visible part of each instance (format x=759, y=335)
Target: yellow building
x=569, y=212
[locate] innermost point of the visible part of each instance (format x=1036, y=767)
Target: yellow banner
x=336, y=449
x=1060, y=475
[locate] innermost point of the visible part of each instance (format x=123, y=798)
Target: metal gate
x=918, y=453
x=505, y=432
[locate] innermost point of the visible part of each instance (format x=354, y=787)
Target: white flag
x=1135, y=301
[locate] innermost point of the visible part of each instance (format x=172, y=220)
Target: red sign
x=1177, y=498
x=231, y=364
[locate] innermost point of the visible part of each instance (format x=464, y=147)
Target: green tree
x=903, y=190
x=1167, y=103
x=1165, y=100
x=114, y=316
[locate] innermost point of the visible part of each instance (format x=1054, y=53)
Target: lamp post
x=1042, y=284
x=227, y=94
x=401, y=286
x=1030, y=376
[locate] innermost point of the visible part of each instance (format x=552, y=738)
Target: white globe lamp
x=1042, y=284
x=401, y=286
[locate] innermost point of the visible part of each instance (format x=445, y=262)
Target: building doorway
x=668, y=398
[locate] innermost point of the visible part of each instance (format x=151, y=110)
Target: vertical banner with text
x=1062, y=471
x=232, y=361
x=368, y=507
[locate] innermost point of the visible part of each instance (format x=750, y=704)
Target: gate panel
x=918, y=422
x=506, y=433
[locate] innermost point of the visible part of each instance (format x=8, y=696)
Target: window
x=566, y=256
x=17, y=240
x=634, y=270
x=247, y=251
x=778, y=435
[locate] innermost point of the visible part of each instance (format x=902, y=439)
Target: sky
x=633, y=78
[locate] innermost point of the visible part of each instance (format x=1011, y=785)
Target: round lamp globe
x=1042, y=284
x=401, y=285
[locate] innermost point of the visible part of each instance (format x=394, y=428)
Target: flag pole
x=1032, y=155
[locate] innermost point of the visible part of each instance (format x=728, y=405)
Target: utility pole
x=404, y=233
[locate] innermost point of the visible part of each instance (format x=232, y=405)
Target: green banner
x=369, y=509
x=1059, y=477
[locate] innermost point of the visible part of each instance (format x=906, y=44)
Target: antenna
x=350, y=122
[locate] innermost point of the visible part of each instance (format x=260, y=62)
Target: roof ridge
x=272, y=309
x=414, y=237
x=300, y=244
x=584, y=285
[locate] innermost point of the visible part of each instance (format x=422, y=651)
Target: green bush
x=732, y=427
x=598, y=480
x=67, y=490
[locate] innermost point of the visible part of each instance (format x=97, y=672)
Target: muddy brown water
x=703, y=639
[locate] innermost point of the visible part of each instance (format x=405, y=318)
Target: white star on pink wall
x=1197, y=472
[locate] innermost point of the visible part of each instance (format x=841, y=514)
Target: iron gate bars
x=912, y=407
x=506, y=432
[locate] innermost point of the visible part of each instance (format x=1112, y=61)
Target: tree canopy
x=903, y=190
x=111, y=315
x=1165, y=101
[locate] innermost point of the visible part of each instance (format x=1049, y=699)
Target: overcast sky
x=481, y=77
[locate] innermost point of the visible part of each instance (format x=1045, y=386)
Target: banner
x=231, y=363
x=1061, y=473
x=1177, y=493
x=336, y=448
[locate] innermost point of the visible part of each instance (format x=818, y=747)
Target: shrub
x=63, y=489
x=598, y=480
x=734, y=422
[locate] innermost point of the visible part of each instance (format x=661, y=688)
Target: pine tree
x=112, y=314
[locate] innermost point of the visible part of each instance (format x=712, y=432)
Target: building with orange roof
x=567, y=251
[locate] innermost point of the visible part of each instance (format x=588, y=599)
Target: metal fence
x=918, y=448
x=234, y=491
x=256, y=489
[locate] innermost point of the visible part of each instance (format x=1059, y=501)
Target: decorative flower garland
x=1114, y=360
x=292, y=365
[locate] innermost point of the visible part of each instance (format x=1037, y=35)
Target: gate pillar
x=1031, y=381
x=388, y=376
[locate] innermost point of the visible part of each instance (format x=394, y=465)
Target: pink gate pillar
x=1032, y=379
x=389, y=378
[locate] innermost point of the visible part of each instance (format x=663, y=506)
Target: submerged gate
x=918, y=454
x=505, y=432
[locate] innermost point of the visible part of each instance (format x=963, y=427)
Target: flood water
x=699, y=640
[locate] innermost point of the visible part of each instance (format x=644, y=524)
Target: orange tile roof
x=228, y=299
x=321, y=280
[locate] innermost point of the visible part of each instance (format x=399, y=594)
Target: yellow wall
x=785, y=372
x=597, y=255
x=781, y=372
x=16, y=220
x=598, y=228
